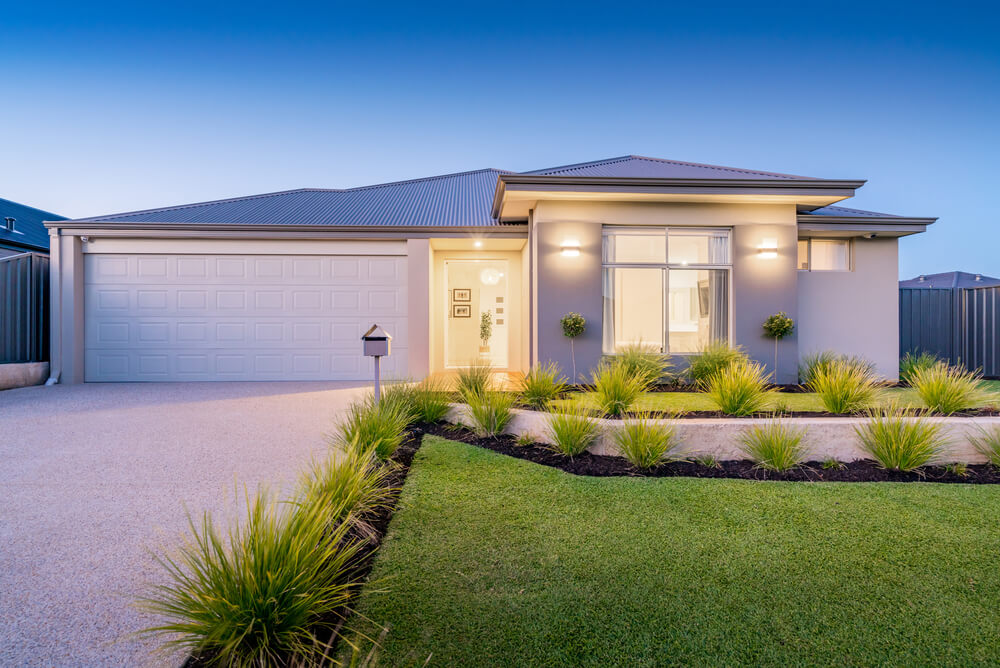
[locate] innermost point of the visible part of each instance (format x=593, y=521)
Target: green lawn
x=497, y=561
x=698, y=401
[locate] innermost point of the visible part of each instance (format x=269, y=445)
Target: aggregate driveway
x=93, y=477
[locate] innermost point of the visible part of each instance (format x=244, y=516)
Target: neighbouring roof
x=29, y=232
x=464, y=199
x=951, y=279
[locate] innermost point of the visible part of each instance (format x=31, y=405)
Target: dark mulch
x=606, y=466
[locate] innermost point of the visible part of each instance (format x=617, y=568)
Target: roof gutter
x=862, y=220
x=507, y=182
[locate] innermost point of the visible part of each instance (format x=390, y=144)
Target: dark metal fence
x=24, y=308
x=957, y=324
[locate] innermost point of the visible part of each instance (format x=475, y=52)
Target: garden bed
x=589, y=464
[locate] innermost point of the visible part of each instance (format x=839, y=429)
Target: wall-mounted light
x=477, y=244
x=570, y=248
x=768, y=249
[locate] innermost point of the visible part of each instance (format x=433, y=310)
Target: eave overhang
x=853, y=226
x=810, y=191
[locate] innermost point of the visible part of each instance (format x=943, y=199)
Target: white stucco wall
x=854, y=312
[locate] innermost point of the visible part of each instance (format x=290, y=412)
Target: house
x=951, y=279
x=281, y=286
x=22, y=228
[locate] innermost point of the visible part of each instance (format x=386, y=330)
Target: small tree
x=486, y=327
x=778, y=326
x=573, y=325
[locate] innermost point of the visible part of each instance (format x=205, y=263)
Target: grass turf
x=497, y=561
x=793, y=401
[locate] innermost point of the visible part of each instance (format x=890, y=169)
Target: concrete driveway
x=93, y=477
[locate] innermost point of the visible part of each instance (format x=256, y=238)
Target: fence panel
x=24, y=308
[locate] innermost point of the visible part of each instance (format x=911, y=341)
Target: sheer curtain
x=608, y=333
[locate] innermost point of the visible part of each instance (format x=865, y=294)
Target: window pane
x=803, y=253
x=633, y=307
x=699, y=308
x=635, y=247
x=699, y=247
x=829, y=255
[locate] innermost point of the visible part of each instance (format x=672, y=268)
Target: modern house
x=281, y=286
x=22, y=228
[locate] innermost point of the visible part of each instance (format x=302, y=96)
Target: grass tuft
x=352, y=485
x=431, y=400
x=616, y=389
x=262, y=595
x=541, y=385
x=812, y=364
x=845, y=386
x=712, y=358
x=490, y=412
x=987, y=443
x=644, y=362
x=378, y=428
x=739, y=389
x=572, y=430
x=477, y=378
x=912, y=362
x=901, y=438
x=774, y=445
x=646, y=442
x=947, y=389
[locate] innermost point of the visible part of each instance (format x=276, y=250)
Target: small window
x=825, y=254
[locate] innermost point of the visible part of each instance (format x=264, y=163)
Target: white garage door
x=240, y=317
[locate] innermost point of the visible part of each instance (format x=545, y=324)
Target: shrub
x=615, y=389
x=712, y=358
x=573, y=325
x=947, y=389
x=901, y=439
x=265, y=596
x=815, y=362
x=347, y=483
x=490, y=412
x=774, y=445
x=646, y=443
x=371, y=427
x=572, y=431
x=644, y=362
x=431, y=401
x=987, y=443
x=476, y=378
x=911, y=362
x=403, y=395
x=739, y=389
x=541, y=385
x=844, y=386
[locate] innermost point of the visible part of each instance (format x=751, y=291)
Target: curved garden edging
x=832, y=437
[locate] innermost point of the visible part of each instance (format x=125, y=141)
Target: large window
x=665, y=288
x=825, y=254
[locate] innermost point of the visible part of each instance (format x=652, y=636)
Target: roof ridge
x=195, y=205
x=578, y=165
x=427, y=178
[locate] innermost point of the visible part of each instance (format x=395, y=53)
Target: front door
x=477, y=313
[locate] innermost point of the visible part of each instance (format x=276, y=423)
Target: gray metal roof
x=637, y=166
x=29, y=232
x=844, y=212
x=452, y=200
x=951, y=279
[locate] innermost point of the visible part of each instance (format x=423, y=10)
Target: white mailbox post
x=376, y=342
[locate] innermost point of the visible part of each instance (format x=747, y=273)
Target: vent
x=9, y=223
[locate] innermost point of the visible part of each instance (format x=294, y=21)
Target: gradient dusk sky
x=113, y=107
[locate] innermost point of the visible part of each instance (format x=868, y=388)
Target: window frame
x=665, y=267
x=809, y=254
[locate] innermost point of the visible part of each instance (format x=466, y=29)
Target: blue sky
x=121, y=106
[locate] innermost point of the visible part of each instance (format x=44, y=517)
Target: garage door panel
x=240, y=317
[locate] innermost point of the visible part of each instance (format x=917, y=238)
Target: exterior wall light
x=570, y=249
x=768, y=249
x=477, y=244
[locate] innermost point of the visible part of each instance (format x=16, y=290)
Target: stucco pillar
x=71, y=302
x=418, y=269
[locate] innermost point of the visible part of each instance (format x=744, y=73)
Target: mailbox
x=376, y=342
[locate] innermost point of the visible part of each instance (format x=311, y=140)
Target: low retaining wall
x=24, y=374
x=719, y=437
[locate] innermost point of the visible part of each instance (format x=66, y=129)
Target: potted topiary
x=573, y=325
x=778, y=326
x=485, y=331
